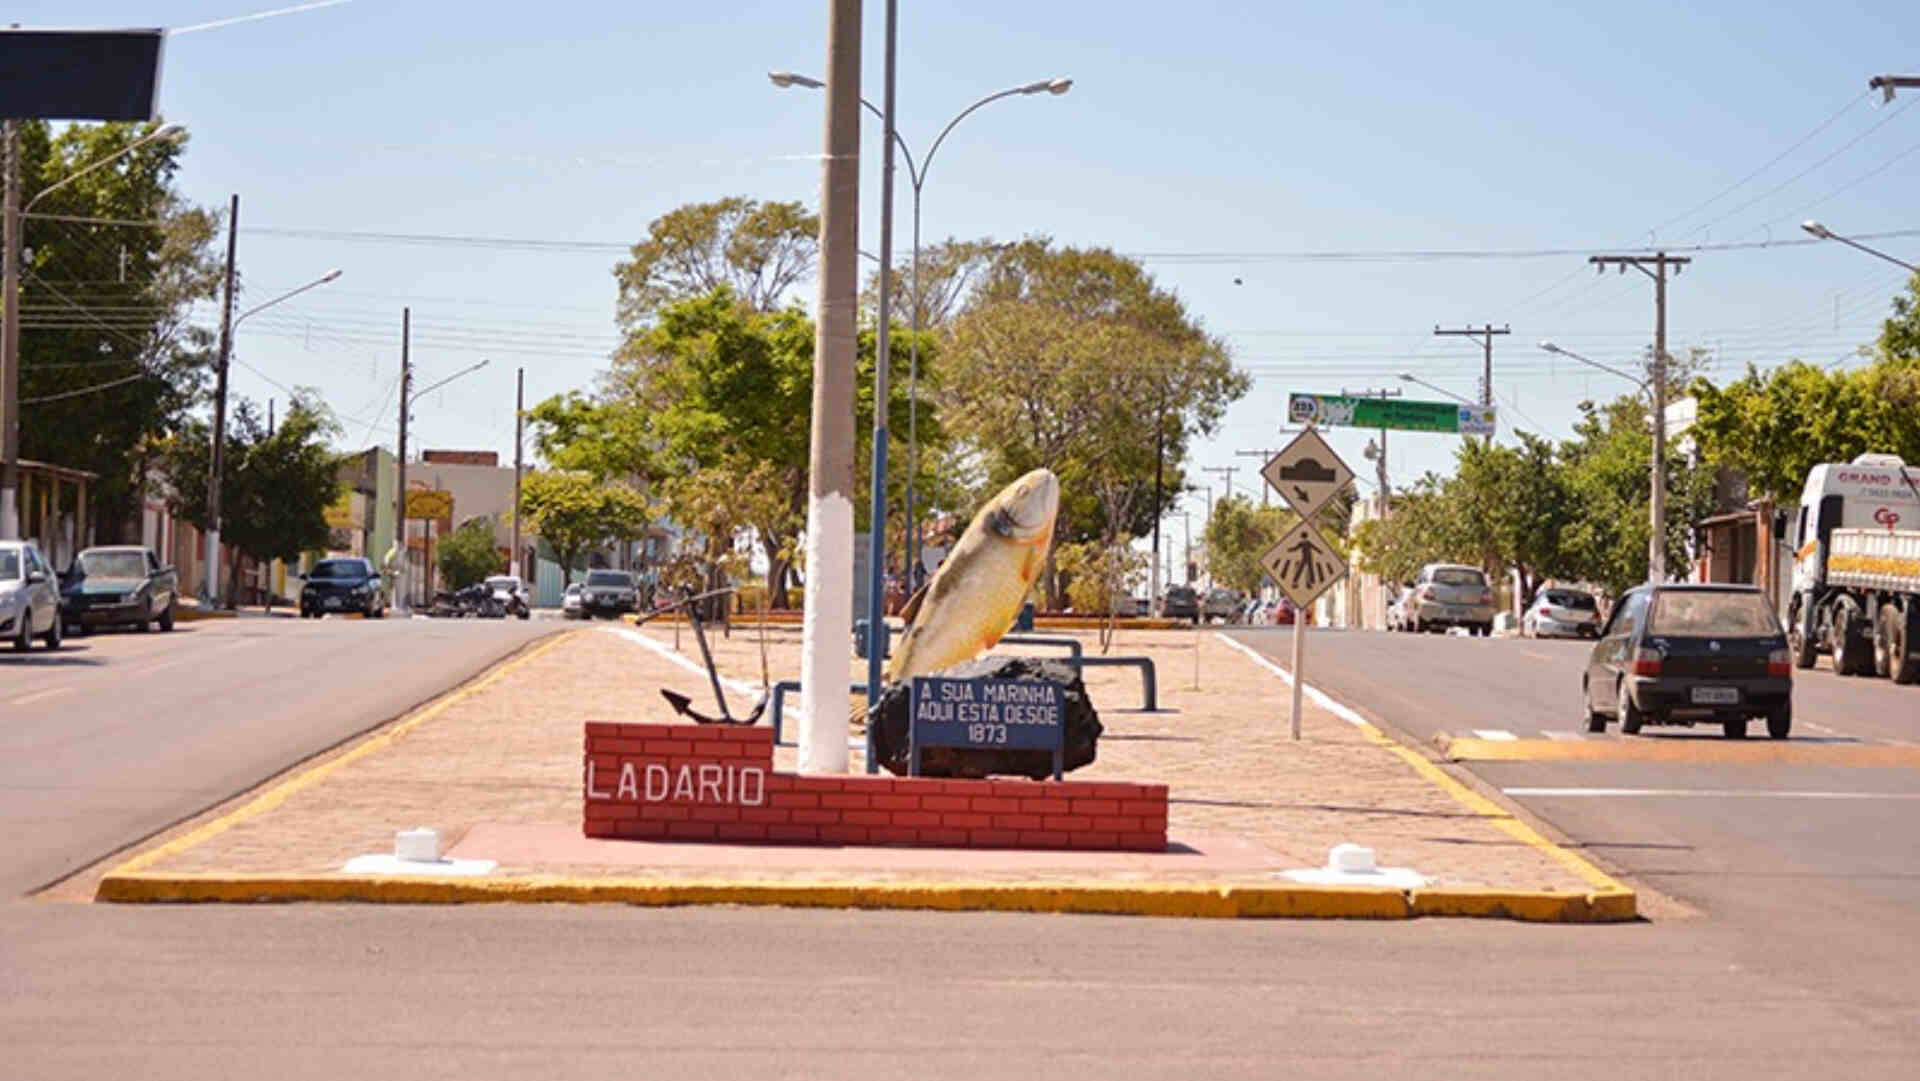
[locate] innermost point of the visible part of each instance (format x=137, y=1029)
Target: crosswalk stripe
x=1494, y=733
x=1551, y=733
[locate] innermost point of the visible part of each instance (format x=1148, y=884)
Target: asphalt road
x=1811, y=863
x=119, y=735
x=516, y=991
x=299, y=991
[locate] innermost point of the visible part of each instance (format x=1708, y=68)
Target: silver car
x=1450, y=595
x=29, y=597
x=1558, y=612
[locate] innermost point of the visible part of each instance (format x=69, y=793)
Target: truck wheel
x=1805, y=650
x=1780, y=721
x=1903, y=638
x=1847, y=640
x=1630, y=716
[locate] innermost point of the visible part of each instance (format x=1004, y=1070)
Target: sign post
x=1306, y=473
x=998, y=714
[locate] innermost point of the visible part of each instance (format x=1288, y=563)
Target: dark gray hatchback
x=1677, y=654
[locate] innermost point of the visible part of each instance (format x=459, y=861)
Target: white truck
x=1856, y=569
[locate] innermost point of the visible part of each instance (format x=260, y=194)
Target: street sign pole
x=1299, y=673
x=1307, y=473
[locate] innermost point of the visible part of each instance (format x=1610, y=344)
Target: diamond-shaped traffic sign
x=1303, y=564
x=1307, y=473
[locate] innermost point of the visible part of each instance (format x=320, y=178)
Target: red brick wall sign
x=717, y=783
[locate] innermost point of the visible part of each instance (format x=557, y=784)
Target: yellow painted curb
x=1610, y=899
x=1713, y=749
x=280, y=793
x=1196, y=901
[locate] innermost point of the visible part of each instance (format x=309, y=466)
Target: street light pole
x=407, y=397
x=10, y=244
x=917, y=176
x=1825, y=233
x=229, y=325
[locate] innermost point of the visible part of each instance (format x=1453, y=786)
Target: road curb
x=1609, y=901
x=1195, y=901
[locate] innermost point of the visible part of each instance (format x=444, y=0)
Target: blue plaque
x=997, y=714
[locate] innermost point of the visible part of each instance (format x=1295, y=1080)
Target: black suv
x=342, y=585
x=1181, y=602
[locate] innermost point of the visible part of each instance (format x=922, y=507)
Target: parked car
x=512, y=595
x=1180, y=602
x=29, y=597
x=1397, y=610
x=349, y=584
x=609, y=593
x=1559, y=612
x=1450, y=595
x=1222, y=604
x=570, y=602
x=1676, y=654
x=1284, y=613
x=118, y=586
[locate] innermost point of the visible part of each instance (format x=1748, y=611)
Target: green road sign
x=1344, y=411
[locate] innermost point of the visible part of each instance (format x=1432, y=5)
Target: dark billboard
x=80, y=74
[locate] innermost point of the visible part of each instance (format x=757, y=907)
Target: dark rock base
x=889, y=720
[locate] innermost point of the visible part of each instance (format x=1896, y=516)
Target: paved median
x=495, y=768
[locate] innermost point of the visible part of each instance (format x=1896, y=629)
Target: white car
x=29, y=597
x=1559, y=612
x=570, y=602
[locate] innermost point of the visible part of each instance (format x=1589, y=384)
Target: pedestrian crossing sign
x=1303, y=564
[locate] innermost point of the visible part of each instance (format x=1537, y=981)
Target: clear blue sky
x=1218, y=141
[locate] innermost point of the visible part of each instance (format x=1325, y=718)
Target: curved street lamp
x=210, y=585
x=1409, y=377
x=917, y=175
x=1825, y=233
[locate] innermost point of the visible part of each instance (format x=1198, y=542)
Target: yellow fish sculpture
x=976, y=593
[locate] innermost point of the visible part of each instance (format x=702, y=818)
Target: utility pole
x=1486, y=335
x=519, y=412
x=1379, y=454
x=211, y=587
x=1159, y=470
x=400, y=496
x=1657, y=503
x=10, y=344
x=825, y=646
x=1225, y=470
x=1264, y=457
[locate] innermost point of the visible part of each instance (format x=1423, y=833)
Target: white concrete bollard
x=1350, y=858
x=423, y=845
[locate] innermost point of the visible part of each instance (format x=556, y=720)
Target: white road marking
x=38, y=695
x=1339, y=710
x=162, y=666
x=1497, y=734
x=1553, y=733
x=1716, y=793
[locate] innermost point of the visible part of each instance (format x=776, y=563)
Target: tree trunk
x=233, y=580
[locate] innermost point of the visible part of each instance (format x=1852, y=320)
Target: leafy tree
x=1510, y=506
x=109, y=362
x=575, y=514
x=756, y=250
x=469, y=554
x=1237, y=535
x=948, y=273
x=1101, y=579
x=275, y=486
x=1074, y=359
x=1608, y=479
